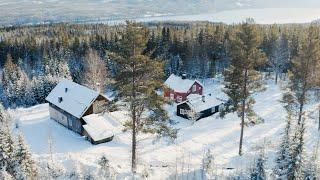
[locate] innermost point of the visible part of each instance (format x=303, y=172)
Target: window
x=179, y=98
x=184, y=111
x=194, y=88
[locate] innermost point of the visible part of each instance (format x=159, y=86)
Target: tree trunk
x=134, y=117
x=134, y=142
x=300, y=113
x=242, y=126
x=301, y=102
x=243, y=106
x=319, y=119
x=277, y=77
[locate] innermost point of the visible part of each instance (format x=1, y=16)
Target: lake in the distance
x=261, y=16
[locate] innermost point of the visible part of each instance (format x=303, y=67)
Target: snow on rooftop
x=210, y=100
x=178, y=84
x=98, y=127
x=72, y=97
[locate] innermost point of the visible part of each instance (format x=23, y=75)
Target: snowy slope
x=161, y=157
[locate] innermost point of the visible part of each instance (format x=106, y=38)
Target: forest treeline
x=39, y=55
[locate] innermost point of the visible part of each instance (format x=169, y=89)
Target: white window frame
x=182, y=112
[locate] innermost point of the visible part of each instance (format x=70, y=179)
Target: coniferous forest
x=133, y=60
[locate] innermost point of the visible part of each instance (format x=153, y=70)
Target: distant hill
x=35, y=11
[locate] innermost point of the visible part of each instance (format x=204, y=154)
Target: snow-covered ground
x=162, y=157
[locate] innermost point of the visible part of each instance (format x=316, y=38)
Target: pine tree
x=258, y=172
x=305, y=70
x=25, y=166
x=137, y=79
x=242, y=79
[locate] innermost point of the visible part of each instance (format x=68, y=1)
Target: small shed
x=199, y=106
x=98, y=129
x=179, y=88
x=69, y=102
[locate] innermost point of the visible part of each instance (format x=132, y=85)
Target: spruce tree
x=24, y=163
x=258, y=172
x=7, y=150
x=105, y=167
x=137, y=79
x=242, y=79
x=283, y=158
x=14, y=83
x=295, y=168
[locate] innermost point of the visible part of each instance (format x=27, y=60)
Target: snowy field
x=161, y=157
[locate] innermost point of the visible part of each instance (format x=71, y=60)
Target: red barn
x=178, y=88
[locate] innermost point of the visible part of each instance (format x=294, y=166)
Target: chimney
x=65, y=89
x=184, y=76
x=203, y=98
x=60, y=99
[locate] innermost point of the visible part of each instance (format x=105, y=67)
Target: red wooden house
x=179, y=88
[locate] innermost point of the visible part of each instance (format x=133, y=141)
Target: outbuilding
x=197, y=107
x=69, y=102
x=179, y=88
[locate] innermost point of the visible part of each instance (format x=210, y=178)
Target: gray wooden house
x=69, y=102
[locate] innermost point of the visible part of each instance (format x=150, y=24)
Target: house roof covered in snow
x=72, y=97
x=197, y=103
x=98, y=126
x=179, y=84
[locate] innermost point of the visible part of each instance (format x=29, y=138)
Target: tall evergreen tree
x=281, y=56
x=284, y=154
x=7, y=150
x=305, y=69
x=259, y=172
x=14, y=82
x=242, y=79
x=295, y=168
x=283, y=158
x=137, y=79
x=25, y=166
